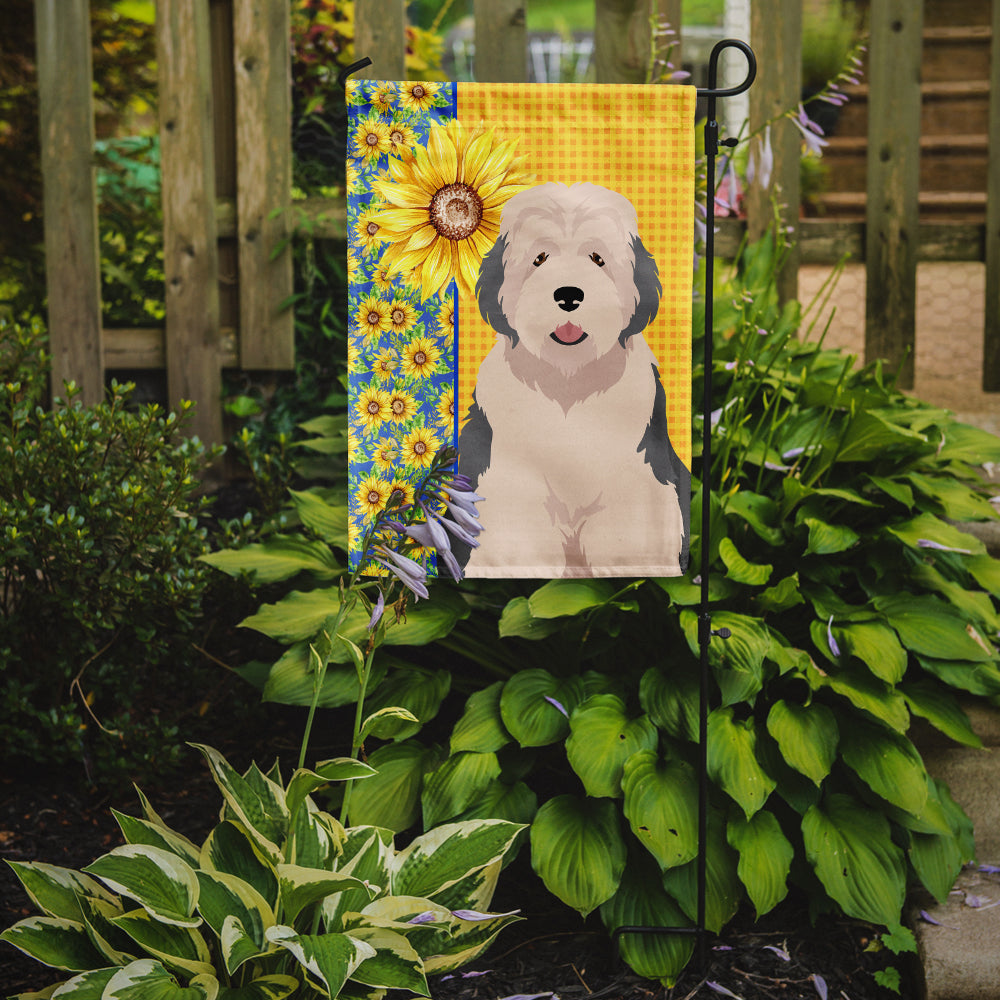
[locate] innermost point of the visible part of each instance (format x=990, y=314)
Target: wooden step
x=957, y=206
x=956, y=53
x=945, y=12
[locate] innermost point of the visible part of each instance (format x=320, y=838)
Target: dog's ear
x=646, y=276
x=491, y=274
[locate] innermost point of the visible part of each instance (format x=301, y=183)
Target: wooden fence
x=226, y=160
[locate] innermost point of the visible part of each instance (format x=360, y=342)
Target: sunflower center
x=398, y=406
x=419, y=448
x=373, y=318
x=396, y=138
x=418, y=92
x=456, y=211
x=419, y=358
x=374, y=496
x=371, y=138
x=373, y=407
x=371, y=228
x=398, y=316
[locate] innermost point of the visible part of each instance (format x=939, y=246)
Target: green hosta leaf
x=225, y=897
x=723, y=889
x=456, y=784
x=956, y=500
x=141, y=831
x=418, y=690
x=292, y=681
x=865, y=692
x=559, y=598
x=893, y=488
x=330, y=959
x=976, y=678
x=147, y=979
x=937, y=859
x=274, y=987
x=230, y=849
x=517, y=620
x=738, y=661
x=160, y=882
x=783, y=595
x=850, y=847
x=602, y=738
x=732, y=760
x=387, y=722
x=973, y=604
x=683, y=592
x=661, y=799
x=391, y=798
x=671, y=700
x=325, y=519
x=395, y=964
x=279, y=558
x=765, y=858
x=941, y=709
x=516, y=803
x=54, y=941
x=807, y=736
x=932, y=628
x=986, y=571
x=578, y=851
x=738, y=569
x=180, y=948
x=481, y=728
x=301, y=887
x=876, y=646
x=870, y=436
x=641, y=901
x=888, y=763
x=758, y=511
x=928, y=528
x=528, y=714
x=441, y=857
x=827, y=539
x=56, y=891
x=965, y=443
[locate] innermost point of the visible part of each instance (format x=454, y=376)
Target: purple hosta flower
x=462, y=516
x=831, y=642
x=719, y=988
x=465, y=975
x=427, y=917
x=927, y=543
x=531, y=996
x=820, y=984
x=990, y=869
x=760, y=165
x=811, y=132
x=475, y=915
x=727, y=197
x=780, y=952
x=927, y=918
x=377, y=612
x=552, y=701
x=408, y=571
x=431, y=534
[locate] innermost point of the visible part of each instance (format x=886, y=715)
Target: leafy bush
x=853, y=602
x=99, y=539
x=279, y=899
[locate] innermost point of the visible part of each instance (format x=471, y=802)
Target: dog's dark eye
x=597, y=259
x=540, y=259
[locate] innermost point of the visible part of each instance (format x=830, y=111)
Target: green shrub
x=99, y=541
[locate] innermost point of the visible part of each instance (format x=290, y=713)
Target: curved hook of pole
x=713, y=69
x=353, y=68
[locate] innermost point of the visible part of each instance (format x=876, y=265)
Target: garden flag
x=520, y=275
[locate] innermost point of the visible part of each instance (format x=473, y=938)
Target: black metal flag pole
x=705, y=631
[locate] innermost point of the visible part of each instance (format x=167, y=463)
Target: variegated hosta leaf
x=642, y=902
x=807, y=736
x=850, y=847
x=160, y=882
x=87, y=986
x=304, y=782
x=300, y=887
x=147, y=979
x=54, y=941
x=441, y=857
x=481, y=727
x=367, y=853
x=535, y=706
x=141, y=831
x=456, y=784
x=578, y=851
x=116, y=946
x=225, y=897
x=661, y=800
x=230, y=849
x=315, y=838
x=275, y=987
x=329, y=959
x=177, y=947
x=475, y=891
x=732, y=760
x=395, y=964
x=468, y=939
x=765, y=858
x=56, y=891
x=602, y=737
x=238, y=945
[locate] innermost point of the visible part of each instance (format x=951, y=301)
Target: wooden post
x=622, y=40
x=501, y=41
x=262, y=61
x=776, y=35
x=991, y=333
x=72, y=255
x=380, y=34
x=668, y=13
x=190, y=254
x=893, y=183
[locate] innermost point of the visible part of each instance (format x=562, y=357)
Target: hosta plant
x=279, y=900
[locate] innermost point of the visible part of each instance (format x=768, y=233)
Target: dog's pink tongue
x=568, y=333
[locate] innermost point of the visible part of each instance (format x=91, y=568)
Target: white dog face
x=568, y=280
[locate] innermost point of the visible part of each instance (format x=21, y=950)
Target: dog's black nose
x=568, y=297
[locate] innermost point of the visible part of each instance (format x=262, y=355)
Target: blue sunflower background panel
x=401, y=303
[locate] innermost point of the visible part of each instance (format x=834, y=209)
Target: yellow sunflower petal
x=443, y=155
x=477, y=155
x=436, y=268
x=467, y=271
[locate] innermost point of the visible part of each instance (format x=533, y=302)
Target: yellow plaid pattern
x=634, y=139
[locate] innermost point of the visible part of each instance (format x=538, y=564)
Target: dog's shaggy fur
x=567, y=436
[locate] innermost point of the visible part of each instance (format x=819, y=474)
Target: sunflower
x=386, y=454
x=420, y=357
x=384, y=278
x=418, y=96
x=402, y=315
x=385, y=364
x=372, y=495
x=446, y=408
x=373, y=407
x=371, y=138
x=382, y=98
x=402, y=139
x=367, y=227
x=419, y=447
x=446, y=318
x=373, y=316
x=402, y=405
x=443, y=210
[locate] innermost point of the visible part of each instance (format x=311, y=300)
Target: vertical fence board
x=501, y=41
x=893, y=183
x=776, y=34
x=72, y=257
x=622, y=40
x=991, y=333
x=190, y=254
x=380, y=34
x=264, y=168
x=668, y=14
